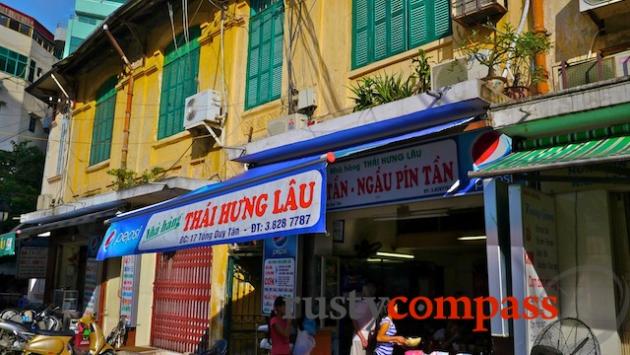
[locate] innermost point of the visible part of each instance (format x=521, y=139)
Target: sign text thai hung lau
x=410, y=173
x=272, y=208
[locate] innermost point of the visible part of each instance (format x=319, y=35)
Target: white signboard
x=278, y=280
x=129, y=288
x=405, y=174
x=534, y=257
x=275, y=207
x=279, y=270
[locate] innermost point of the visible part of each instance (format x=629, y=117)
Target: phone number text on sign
x=281, y=205
x=281, y=224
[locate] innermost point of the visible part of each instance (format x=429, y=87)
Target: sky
x=47, y=12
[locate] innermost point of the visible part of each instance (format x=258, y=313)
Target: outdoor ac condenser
x=203, y=110
x=286, y=123
x=587, y=5
x=607, y=9
x=455, y=71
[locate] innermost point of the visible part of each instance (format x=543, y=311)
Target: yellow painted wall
x=145, y=299
x=181, y=154
x=111, y=309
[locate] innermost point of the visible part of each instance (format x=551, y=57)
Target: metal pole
x=542, y=87
x=129, y=73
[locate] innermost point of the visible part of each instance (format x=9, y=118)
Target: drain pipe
x=129, y=73
x=538, y=13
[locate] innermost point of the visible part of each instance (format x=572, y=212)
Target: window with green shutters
x=264, y=59
x=101, y=147
x=179, y=81
x=382, y=28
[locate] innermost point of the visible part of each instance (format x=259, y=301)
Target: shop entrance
x=181, y=303
x=244, y=300
x=415, y=250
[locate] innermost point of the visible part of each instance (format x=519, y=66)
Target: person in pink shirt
x=279, y=328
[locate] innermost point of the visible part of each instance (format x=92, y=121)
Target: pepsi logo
x=114, y=238
x=109, y=239
x=279, y=242
x=488, y=147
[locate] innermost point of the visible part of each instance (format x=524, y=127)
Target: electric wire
x=577, y=278
x=152, y=117
x=170, y=16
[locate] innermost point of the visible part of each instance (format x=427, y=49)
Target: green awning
x=7, y=244
x=591, y=152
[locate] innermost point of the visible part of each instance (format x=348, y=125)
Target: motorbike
x=118, y=335
x=45, y=342
x=46, y=319
x=219, y=348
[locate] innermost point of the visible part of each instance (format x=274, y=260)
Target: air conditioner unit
x=587, y=5
x=286, y=123
x=307, y=100
x=471, y=12
x=456, y=71
x=608, y=9
x=203, y=110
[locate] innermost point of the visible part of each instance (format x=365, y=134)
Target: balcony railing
x=593, y=70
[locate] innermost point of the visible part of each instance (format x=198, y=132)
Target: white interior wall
x=590, y=213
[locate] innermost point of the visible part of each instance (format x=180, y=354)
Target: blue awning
x=405, y=137
x=286, y=198
x=371, y=132
x=274, y=200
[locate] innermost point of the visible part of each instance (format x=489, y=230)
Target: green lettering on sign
x=7, y=244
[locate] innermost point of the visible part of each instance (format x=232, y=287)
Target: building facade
x=27, y=51
x=270, y=83
x=88, y=15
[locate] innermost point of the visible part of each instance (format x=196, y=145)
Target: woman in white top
x=363, y=321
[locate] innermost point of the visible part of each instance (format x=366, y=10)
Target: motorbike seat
x=17, y=325
x=61, y=333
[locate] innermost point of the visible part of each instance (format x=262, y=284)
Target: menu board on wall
x=91, y=289
x=534, y=256
x=279, y=270
x=32, y=262
x=130, y=282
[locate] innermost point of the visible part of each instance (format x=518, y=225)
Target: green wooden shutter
x=251, y=96
x=429, y=20
x=265, y=57
x=417, y=19
x=276, y=62
x=360, y=33
x=100, y=149
x=265, y=53
x=380, y=38
x=442, y=16
x=397, y=26
x=382, y=28
x=179, y=81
